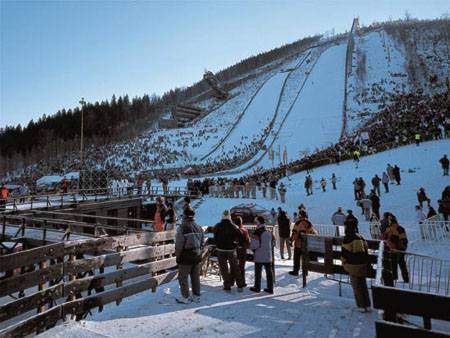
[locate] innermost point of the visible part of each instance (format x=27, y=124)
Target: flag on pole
x=285, y=158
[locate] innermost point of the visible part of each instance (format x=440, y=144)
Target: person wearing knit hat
x=189, y=244
x=227, y=236
x=262, y=243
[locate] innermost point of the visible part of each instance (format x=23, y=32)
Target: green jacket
x=355, y=255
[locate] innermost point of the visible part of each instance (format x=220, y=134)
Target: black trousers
x=297, y=257
x=398, y=260
x=269, y=275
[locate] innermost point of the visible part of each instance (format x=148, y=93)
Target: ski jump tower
x=218, y=91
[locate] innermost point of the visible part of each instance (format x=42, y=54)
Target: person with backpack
x=302, y=226
x=262, y=243
x=241, y=251
x=355, y=260
x=227, y=236
x=284, y=231
x=189, y=243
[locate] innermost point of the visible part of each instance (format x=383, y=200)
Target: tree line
x=112, y=120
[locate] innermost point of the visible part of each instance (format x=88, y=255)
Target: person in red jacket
x=4, y=194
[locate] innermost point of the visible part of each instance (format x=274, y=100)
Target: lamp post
x=82, y=103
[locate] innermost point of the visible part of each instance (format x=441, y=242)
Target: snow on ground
x=316, y=311
x=419, y=168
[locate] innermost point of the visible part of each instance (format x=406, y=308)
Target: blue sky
x=55, y=52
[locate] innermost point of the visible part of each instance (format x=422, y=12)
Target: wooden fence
x=69, y=272
x=322, y=254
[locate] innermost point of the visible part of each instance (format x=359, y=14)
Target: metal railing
x=434, y=230
x=75, y=196
x=424, y=273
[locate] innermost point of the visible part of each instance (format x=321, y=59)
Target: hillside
x=292, y=104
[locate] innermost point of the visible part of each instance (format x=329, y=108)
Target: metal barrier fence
x=61, y=199
x=435, y=230
x=425, y=273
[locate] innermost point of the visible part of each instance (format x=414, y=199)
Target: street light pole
x=82, y=103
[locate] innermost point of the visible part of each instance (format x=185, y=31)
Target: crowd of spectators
x=399, y=123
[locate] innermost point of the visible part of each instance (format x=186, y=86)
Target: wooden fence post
x=119, y=266
x=4, y=228
x=304, y=258
x=42, y=265
x=23, y=227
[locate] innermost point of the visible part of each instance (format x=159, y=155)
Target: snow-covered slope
x=297, y=106
x=419, y=168
x=395, y=61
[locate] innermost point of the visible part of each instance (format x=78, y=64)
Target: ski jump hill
x=300, y=103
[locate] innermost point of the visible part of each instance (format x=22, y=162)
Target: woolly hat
x=226, y=214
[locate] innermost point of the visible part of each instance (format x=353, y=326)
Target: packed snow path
x=315, y=311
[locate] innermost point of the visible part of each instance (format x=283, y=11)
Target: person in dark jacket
x=444, y=203
x=189, y=242
x=243, y=245
x=422, y=197
x=397, y=176
x=351, y=220
x=386, y=221
x=171, y=217
x=355, y=261
x=160, y=214
x=396, y=240
x=375, y=203
x=227, y=237
x=445, y=164
x=376, y=184
x=284, y=232
x=431, y=212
